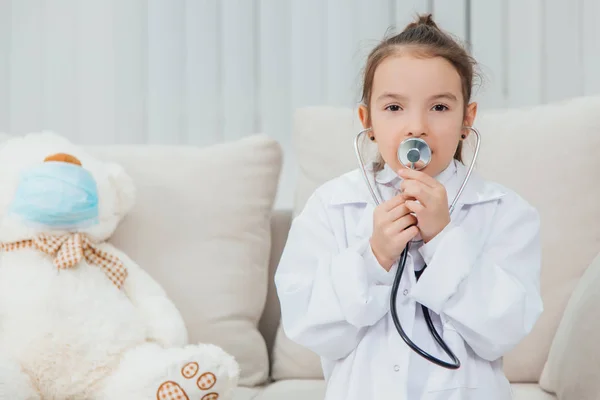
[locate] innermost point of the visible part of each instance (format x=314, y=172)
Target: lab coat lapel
x=364, y=224
x=477, y=191
x=364, y=227
x=357, y=195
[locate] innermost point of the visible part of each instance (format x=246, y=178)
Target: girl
x=481, y=283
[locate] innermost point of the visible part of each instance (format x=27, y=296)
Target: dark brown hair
x=422, y=38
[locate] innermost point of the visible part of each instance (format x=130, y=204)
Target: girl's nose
x=417, y=126
x=417, y=133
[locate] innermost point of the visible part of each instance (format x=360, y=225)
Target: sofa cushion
x=298, y=389
x=246, y=393
x=324, y=146
x=525, y=150
x=530, y=391
x=573, y=367
x=201, y=228
x=294, y=390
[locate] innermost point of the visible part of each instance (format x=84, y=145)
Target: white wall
x=204, y=71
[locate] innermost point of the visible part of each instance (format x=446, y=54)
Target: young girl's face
x=418, y=97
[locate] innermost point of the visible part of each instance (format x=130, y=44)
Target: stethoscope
x=415, y=153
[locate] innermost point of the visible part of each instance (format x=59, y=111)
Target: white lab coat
x=481, y=284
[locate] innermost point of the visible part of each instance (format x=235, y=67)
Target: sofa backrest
x=269, y=321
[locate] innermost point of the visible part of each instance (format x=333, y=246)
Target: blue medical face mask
x=57, y=195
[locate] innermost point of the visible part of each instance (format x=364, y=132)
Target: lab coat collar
x=355, y=192
x=477, y=190
x=387, y=176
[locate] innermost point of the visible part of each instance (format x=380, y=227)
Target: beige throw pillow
x=201, y=228
x=573, y=367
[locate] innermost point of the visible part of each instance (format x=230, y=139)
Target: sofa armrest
x=269, y=322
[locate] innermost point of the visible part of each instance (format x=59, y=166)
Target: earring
x=372, y=138
x=463, y=136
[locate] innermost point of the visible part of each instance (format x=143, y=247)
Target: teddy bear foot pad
x=171, y=390
x=192, y=372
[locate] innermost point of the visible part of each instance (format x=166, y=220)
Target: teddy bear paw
x=171, y=390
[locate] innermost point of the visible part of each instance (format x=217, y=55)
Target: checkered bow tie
x=69, y=250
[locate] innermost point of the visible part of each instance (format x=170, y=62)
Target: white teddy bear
x=78, y=318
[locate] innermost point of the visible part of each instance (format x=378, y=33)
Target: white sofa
x=205, y=228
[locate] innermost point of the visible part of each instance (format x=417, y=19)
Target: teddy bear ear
x=124, y=186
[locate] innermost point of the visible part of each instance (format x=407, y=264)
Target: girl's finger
x=393, y=202
x=397, y=212
x=424, y=194
x=408, y=234
x=408, y=173
x=414, y=206
x=403, y=223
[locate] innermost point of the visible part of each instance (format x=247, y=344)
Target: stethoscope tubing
x=455, y=364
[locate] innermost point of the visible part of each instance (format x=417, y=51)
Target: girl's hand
x=393, y=228
x=431, y=209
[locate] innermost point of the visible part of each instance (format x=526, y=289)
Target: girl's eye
x=393, y=107
x=440, y=107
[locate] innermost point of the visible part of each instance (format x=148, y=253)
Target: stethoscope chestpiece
x=414, y=153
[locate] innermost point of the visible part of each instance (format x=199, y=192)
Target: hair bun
x=422, y=20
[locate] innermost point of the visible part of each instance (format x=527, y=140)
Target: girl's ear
x=470, y=114
x=363, y=114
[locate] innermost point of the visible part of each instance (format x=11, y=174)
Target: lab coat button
x=405, y=292
x=396, y=368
